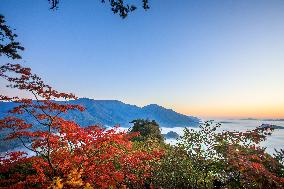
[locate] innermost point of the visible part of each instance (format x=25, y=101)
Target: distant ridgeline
x=113, y=112
x=109, y=113
x=271, y=126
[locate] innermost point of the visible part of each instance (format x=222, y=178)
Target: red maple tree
x=66, y=155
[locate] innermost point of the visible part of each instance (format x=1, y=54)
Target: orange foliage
x=67, y=155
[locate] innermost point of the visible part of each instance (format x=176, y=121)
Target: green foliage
x=279, y=156
x=200, y=147
x=190, y=164
x=147, y=130
x=208, y=158
x=174, y=170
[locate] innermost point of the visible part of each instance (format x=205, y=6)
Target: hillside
x=113, y=112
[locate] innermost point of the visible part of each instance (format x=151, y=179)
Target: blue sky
x=207, y=58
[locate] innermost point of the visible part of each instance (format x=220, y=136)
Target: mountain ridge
x=114, y=112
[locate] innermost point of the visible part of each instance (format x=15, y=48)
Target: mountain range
x=113, y=112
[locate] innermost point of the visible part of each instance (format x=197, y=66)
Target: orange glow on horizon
x=262, y=112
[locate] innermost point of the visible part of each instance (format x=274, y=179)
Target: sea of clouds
x=275, y=141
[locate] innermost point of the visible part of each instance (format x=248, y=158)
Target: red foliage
x=255, y=166
x=102, y=158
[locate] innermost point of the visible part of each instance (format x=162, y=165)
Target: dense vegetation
x=69, y=156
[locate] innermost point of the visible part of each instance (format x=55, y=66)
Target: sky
x=220, y=58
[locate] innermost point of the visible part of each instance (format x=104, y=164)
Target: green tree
x=234, y=159
x=147, y=130
x=210, y=158
x=279, y=156
x=174, y=170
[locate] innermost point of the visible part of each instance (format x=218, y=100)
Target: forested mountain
x=114, y=112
